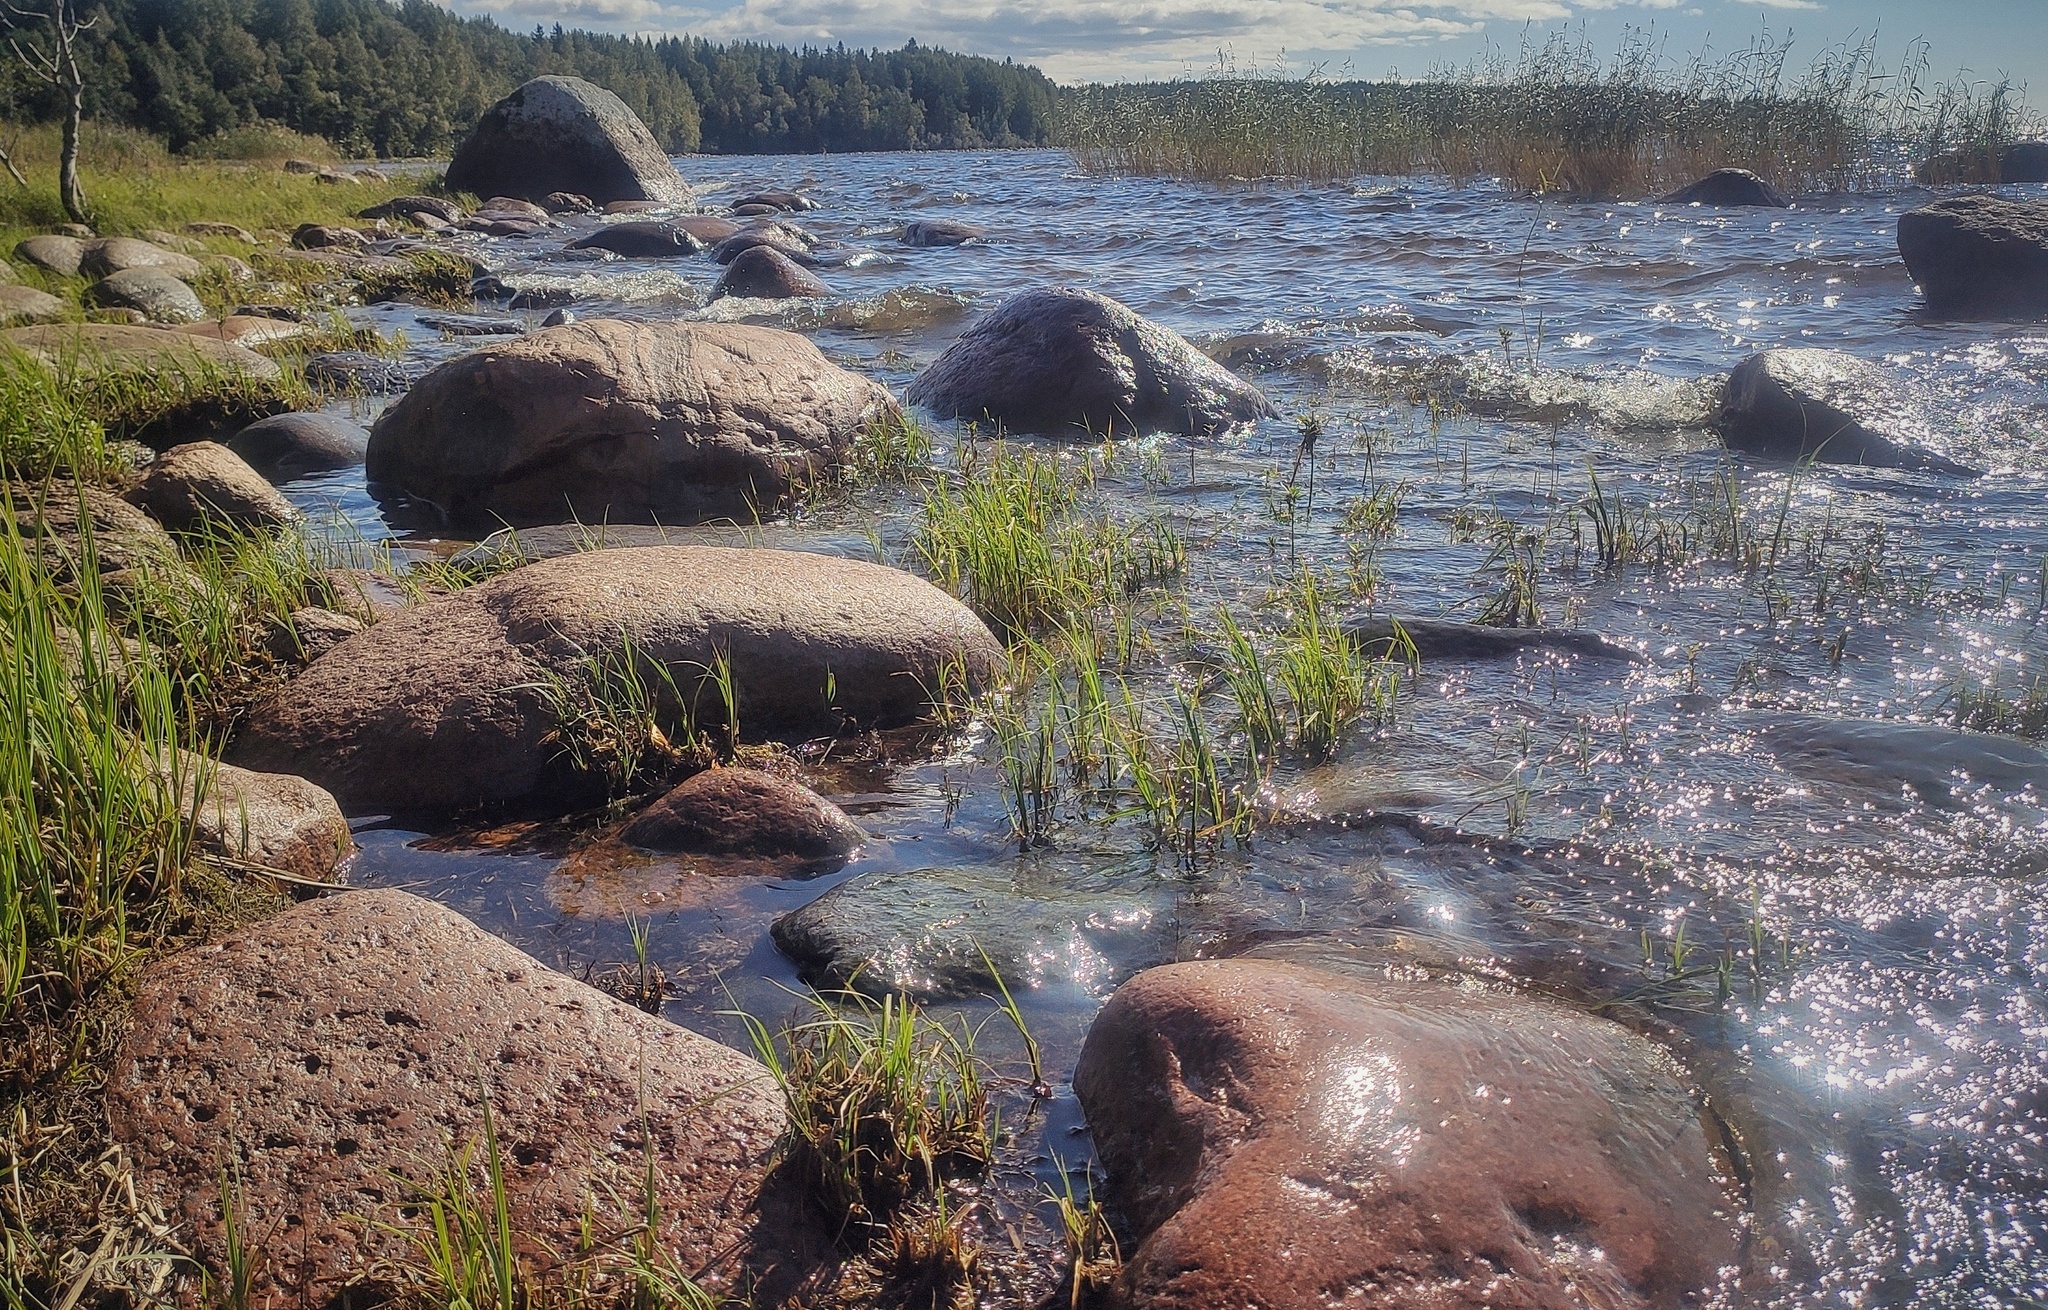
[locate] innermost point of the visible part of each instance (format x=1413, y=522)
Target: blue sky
x=1109, y=40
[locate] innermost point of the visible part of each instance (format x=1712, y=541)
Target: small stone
x=21, y=305
x=272, y=819
x=203, y=484
x=747, y=813
x=307, y=634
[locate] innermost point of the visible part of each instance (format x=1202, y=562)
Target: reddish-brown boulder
x=1293, y=1138
x=334, y=1055
x=746, y=813
x=271, y=819
x=203, y=484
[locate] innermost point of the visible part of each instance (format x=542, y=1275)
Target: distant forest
x=384, y=79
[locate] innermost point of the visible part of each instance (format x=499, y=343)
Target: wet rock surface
x=940, y=232
x=935, y=934
x=764, y=273
x=1284, y=1136
x=406, y=206
x=750, y=814
x=1447, y=639
x=330, y=1054
x=564, y=134
x=286, y=446
x=1729, y=188
x=203, y=484
x=610, y=421
x=1804, y=403
x=1068, y=362
x=1979, y=254
x=440, y=705
x=642, y=240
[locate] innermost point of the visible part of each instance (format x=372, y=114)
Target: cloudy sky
x=1111, y=40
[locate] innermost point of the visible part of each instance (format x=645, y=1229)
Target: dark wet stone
x=1398, y=1142
x=1979, y=254
x=754, y=211
x=2024, y=161
x=787, y=201
x=1804, y=403
x=1729, y=188
x=764, y=273
x=940, y=232
x=152, y=292
x=1061, y=361
x=353, y=371
x=564, y=134
x=287, y=446
x=559, y=318
x=925, y=934
x=567, y=202
x=471, y=325
x=340, y=1048
x=748, y=814
x=540, y=298
x=503, y=227
x=642, y=240
x=407, y=206
x=1447, y=639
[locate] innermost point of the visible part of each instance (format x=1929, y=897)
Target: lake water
x=1763, y=840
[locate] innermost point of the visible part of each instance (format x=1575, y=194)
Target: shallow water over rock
x=1774, y=842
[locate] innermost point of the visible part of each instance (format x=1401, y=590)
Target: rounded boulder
x=1441, y=1143
x=1729, y=188
x=564, y=134
x=609, y=421
x=286, y=446
x=1066, y=362
x=1979, y=255
x=443, y=704
x=203, y=484
x=748, y=814
x=764, y=273
x=642, y=240
x=123, y=254
x=152, y=292
x=1807, y=403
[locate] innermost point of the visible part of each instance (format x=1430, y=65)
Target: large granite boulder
x=202, y=485
x=1807, y=403
x=443, y=704
x=152, y=292
x=564, y=134
x=1729, y=188
x=941, y=934
x=1978, y=254
x=333, y=1056
x=1066, y=362
x=609, y=421
x=1292, y=1138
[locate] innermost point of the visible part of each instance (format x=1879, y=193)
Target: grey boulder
x=1807, y=403
x=152, y=292
x=1979, y=255
x=1729, y=188
x=286, y=446
x=564, y=134
x=202, y=485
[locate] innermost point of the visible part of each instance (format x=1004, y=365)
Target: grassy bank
x=1561, y=117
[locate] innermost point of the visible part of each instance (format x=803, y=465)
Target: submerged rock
x=785, y=201
x=20, y=305
x=642, y=240
x=940, y=232
x=442, y=705
x=933, y=934
x=1293, y=1138
x=794, y=242
x=610, y=421
x=564, y=134
x=1447, y=639
x=287, y=446
x=445, y=210
x=1979, y=254
x=152, y=292
x=333, y=1051
x=1065, y=362
x=1804, y=403
x=1729, y=188
x=748, y=814
x=355, y=371
x=203, y=484
x=764, y=273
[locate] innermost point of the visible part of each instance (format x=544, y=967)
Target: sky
x=1126, y=40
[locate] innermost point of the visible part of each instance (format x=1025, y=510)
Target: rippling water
x=1763, y=839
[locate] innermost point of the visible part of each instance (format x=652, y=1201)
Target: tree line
x=411, y=78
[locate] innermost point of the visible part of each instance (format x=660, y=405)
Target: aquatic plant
x=1559, y=117
x=436, y=277
x=1094, y=1256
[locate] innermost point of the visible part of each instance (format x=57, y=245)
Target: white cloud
x=1785, y=4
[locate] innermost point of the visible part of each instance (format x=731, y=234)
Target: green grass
x=1560, y=117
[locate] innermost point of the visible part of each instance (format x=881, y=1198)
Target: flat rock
x=940, y=232
x=287, y=446
x=123, y=254
x=332, y=1052
x=53, y=254
x=20, y=305
x=642, y=240
x=271, y=819
x=360, y=373
x=82, y=350
x=1979, y=254
x=440, y=705
x=203, y=484
x=247, y=330
x=933, y=934
x=1447, y=639
x=1729, y=188
x=609, y=421
x=748, y=814
x=764, y=273
x=1066, y=362
x=1806, y=403
x=153, y=292
x=1295, y=1138
x=564, y=134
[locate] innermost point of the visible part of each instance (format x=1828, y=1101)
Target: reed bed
x=1561, y=118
